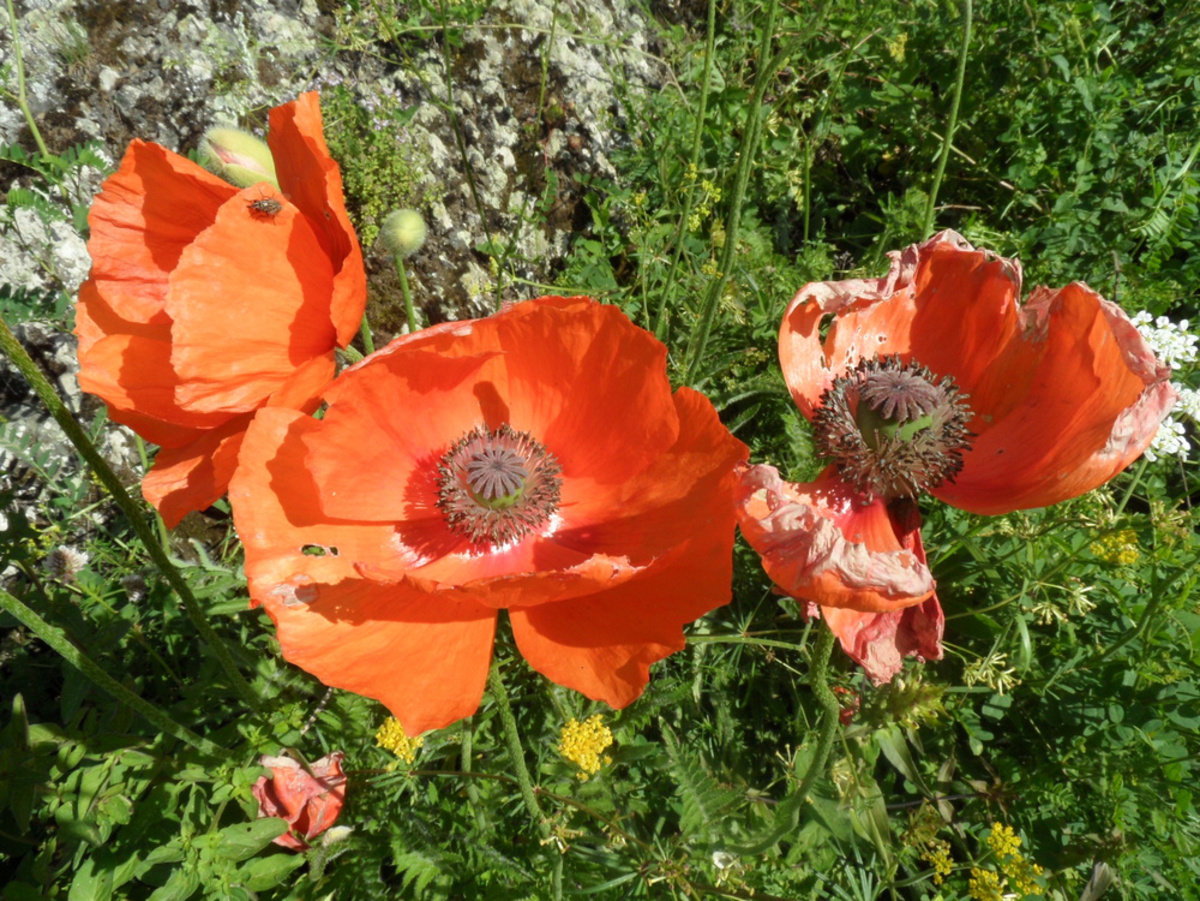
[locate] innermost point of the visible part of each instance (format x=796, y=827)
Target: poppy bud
x=403, y=233
x=238, y=157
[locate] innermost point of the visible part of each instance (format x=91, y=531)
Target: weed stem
x=517, y=753
x=951, y=122
x=660, y=320
x=14, y=351
x=22, y=100
x=787, y=816
x=58, y=641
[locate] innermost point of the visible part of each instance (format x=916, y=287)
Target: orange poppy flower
x=534, y=461
x=206, y=302
x=309, y=798
x=936, y=379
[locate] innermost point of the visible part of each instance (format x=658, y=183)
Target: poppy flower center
x=893, y=428
x=497, y=486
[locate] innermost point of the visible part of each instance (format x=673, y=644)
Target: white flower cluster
x=1169, y=441
x=1171, y=341
x=1173, y=344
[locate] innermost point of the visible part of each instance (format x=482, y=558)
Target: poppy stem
x=14, y=351
x=517, y=753
x=787, y=816
x=368, y=339
x=408, y=303
x=748, y=154
x=58, y=641
x=951, y=122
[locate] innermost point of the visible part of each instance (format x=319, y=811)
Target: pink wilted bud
x=310, y=799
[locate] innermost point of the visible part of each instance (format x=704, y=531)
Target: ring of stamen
x=497, y=486
x=893, y=428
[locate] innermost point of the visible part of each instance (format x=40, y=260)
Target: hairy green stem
x=22, y=99
x=787, y=816
x=747, y=156
x=710, y=30
x=409, y=311
x=58, y=641
x=14, y=351
x=951, y=122
x=524, y=781
x=364, y=330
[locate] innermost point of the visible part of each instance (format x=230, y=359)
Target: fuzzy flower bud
x=238, y=157
x=403, y=233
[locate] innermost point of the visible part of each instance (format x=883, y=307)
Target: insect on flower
x=264, y=206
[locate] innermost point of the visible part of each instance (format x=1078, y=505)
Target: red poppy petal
x=531, y=572
x=250, y=303
x=1091, y=396
x=145, y=216
x=193, y=477
x=303, y=388
x=388, y=642
x=312, y=181
x=588, y=384
x=133, y=373
x=650, y=513
x=819, y=541
x=806, y=369
x=943, y=304
x=879, y=642
x=602, y=645
x=372, y=459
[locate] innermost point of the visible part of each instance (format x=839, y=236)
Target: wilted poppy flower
x=936, y=379
x=207, y=302
x=309, y=798
x=534, y=461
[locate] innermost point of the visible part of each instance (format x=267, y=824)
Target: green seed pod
x=403, y=233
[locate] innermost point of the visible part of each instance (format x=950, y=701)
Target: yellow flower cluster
x=391, y=736
x=1016, y=872
x=1119, y=547
x=711, y=195
x=984, y=886
x=583, y=743
x=937, y=855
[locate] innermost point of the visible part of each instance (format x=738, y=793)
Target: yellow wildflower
x=583, y=743
x=984, y=886
x=391, y=736
x=937, y=855
x=1003, y=841
x=1119, y=547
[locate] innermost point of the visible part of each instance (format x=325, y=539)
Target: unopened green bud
x=336, y=834
x=238, y=157
x=403, y=233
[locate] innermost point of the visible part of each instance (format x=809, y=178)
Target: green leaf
x=181, y=886
x=244, y=840
x=267, y=872
x=91, y=882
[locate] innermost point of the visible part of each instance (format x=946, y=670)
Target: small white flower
x=1171, y=341
x=723, y=860
x=1169, y=441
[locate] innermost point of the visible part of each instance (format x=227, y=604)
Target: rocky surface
x=510, y=116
